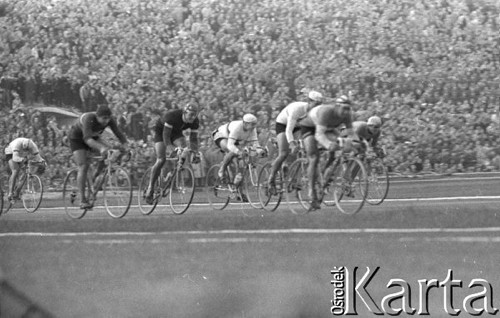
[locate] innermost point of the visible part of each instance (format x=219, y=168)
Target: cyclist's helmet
x=190, y=108
x=25, y=144
x=343, y=100
x=249, y=118
x=315, y=96
x=374, y=121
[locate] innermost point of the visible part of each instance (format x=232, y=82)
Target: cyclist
x=17, y=152
x=321, y=126
x=287, y=131
x=85, y=135
x=369, y=132
x=169, y=133
x=233, y=134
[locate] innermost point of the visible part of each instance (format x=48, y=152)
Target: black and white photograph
x=249, y=158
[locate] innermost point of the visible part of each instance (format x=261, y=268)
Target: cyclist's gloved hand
x=261, y=152
x=294, y=147
x=170, y=151
x=104, y=151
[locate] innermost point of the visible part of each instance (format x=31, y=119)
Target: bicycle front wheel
x=218, y=195
x=32, y=193
x=378, y=181
x=117, y=191
x=71, y=196
x=351, y=188
x=181, y=190
x=297, y=187
x=144, y=207
x=2, y=196
x=269, y=199
x=250, y=187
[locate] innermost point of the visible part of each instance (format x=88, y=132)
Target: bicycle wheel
x=181, y=190
x=378, y=181
x=328, y=193
x=351, y=188
x=297, y=187
x=32, y=193
x=218, y=195
x=117, y=192
x=250, y=186
x=144, y=207
x=71, y=195
x=2, y=196
x=269, y=201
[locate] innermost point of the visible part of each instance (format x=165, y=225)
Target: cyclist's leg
x=228, y=156
x=14, y=169
x=160, y=152
x=81, y=160
x=311, y=148
x=283, y=151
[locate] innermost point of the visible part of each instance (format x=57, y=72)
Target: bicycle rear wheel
x=378, y=181
x=297, y=187
x=2, y=196
x=218, y=195
x=351, y=188
x=32, y=193
x=117, y=191
x=250, y=187
x=144, y=207
x=71, y=195
x=269, y=201
x=181, y=190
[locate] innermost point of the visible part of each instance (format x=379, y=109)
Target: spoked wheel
x=378, y=181
x=332, y=174
x=218, y=195
x=71, y=196
x=117, y=191
x=250, y=187
x=3, y=195
x=269, y=199
x=32, y=193
x=181, y=190
x=146, y=208
x=351, y=188
x=297, y=187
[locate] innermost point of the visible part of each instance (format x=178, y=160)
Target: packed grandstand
x=429, y=68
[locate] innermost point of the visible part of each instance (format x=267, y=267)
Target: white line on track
x=458, y=239
x=257, y=232
x=490, y=197
x=419, y=180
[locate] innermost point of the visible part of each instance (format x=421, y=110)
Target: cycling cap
x=374, y=121
x=315, y=96
x=343, y=100
x=249, y=118
x=103, y=110
x=25, y=144
x=190, y=108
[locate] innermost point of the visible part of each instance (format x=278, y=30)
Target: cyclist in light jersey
x=239, y=133
x=321, y=127
x=15, y=153
x=287, y=131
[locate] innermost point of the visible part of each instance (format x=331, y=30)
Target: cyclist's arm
x=35, y=152
x=290, y=126
x=118, y=133
x=16, y=157
x=167, y=134
x=231, y=146
x=321, y=138
x=193, y=140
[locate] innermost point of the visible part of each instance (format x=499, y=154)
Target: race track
x=243, y=262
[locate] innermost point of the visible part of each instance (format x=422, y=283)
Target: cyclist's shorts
x=307, y=131
x=79, y=144
x=217, y=136
x=8, y=157
x=282, y=128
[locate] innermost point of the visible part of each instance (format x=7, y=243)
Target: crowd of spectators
x=429, y=68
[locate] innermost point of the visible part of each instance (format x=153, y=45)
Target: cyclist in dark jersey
x=169, y=134
x=85, y=135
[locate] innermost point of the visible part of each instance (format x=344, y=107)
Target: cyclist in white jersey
x=287, y=131
x=15, y=153
x=231, y=136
